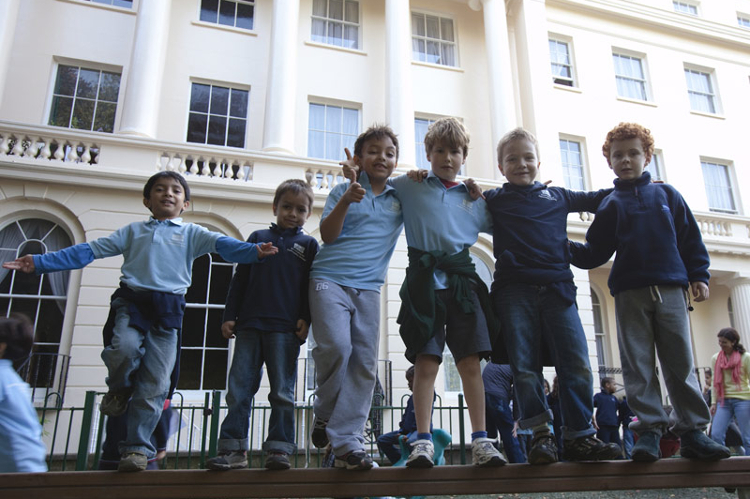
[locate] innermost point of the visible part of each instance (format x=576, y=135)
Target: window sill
x=231, y=29
x=576, y=90
x=123, y=10
x=334, y=47
x=437, y=66
x=707, y=115
x=637, y=101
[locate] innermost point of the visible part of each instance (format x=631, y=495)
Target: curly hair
x=625, y=131
x=451, y=132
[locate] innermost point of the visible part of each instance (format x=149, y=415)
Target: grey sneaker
x=696, y=445
x=421, y=455
x=646, y=449
x=319, y=436
x=485, y=455
x=277, y=460
x=232, y=460
x=357, y=460
x=132, y=461
x=115, y=403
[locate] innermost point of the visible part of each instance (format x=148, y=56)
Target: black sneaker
x=232, y=460
x=319, y=436
x=543, y=449
x=357, y=460
x=590, y=449
x=696, y=445
x=646, y=449
x=115, y=403
x=277, y=460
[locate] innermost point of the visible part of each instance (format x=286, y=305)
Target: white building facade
x=97, y=95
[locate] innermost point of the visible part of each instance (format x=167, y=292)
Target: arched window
x=599, y=334
x=41, y=298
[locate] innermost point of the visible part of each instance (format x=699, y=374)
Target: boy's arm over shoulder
x=586, y=200
x=601, y=242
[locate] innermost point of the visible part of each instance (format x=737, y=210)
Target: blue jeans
x=253, y=348
x=141, y=362
x=627, y=441
x=533, y=316
x=500, y=417
x=740, y=409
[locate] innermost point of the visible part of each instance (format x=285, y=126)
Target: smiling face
x=726, y=345
x=379, y=158
x=166, y=199
x=292, y=210
x=446, y=161
x=520, y=163
x=627, y=158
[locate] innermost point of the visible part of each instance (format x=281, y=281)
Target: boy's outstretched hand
x=699, y=290
x=266, y=249
x=24, y=264
x=302, y=328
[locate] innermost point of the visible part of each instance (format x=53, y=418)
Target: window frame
x=328, y=21
x=687, y=8
x=208, y=113
x=642, y=81
x=743, y=20
x=218, y=23
x=568, y=43
x=601, y=339
x=730, y=188
x=326, y=103
x=712, y=96
x=656, y=166
x=583, y=163
x=423, y=56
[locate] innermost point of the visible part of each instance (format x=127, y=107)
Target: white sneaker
x=485, y=455
x=421, y=454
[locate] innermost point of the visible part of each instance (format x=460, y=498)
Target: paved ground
x=705, y=493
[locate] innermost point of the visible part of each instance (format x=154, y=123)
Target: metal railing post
x=213, y=438
x=461, y=437
x=204, y=430
x=85, y=438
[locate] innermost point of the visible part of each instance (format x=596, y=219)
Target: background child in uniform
x=146, y=311
x=660, y=255
x=605, y=417
x=267, y=313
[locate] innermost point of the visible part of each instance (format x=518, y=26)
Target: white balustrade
x=45, y=149
x=213, y=167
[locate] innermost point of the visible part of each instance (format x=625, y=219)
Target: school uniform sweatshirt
x=654, y=233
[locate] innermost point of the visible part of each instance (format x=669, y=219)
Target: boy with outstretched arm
x=360, y=225
x=267, y=313
x=535, y=299
x=147, y=310
x=660, y=256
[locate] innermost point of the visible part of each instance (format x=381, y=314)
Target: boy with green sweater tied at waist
x=660, y=255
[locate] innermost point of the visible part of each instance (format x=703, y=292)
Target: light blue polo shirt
x=158, y=255
x=359, y=257
x=440, y=219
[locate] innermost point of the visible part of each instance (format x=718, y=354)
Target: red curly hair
x=625, y=131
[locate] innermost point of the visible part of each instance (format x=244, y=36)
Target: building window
x=204, y=357
x=336, y=22
x=433, y=39
x=218, y=115
x=719, y=189
x=572, y=162
x=85, y=99
x=685, y=8
x=631, y=81
x=562, y=64
x=128, y=4
x=656, y=167
x=330, y=130
x=235, y=13
x=700, y=90
x=599, y=335
x=421, y=125
x=743, y=21
x=41, y=298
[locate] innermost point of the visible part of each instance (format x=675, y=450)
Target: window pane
x=209, y=10
x=352, y=12
x=335, y=33
x=66, y=80
x=433, y=52
x=317, y=117
x=199, y=97
x=236, y=134
x=238, y=106
x=319, y=8
x=446, y=29
x=417, y=24
x=351, y=37
x=318, y=31
x=219, y=100
x=105, y=117
x=336, y=9
x=217, y=127
x=88, y=83
x=334, y=148
x=417, y=48
x=333, y=119
x=315, y=144
x=448, y=54
x=245, y=14
x=433, y=27
x=351, y=121
x=197, y=125
x=191, y=365
x=226, y=13
x=110, y=87
x=61, y=109
x=215, y=374
x=83, y=114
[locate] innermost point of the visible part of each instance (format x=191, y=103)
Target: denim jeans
x=279, y=352
x=740, y=409
x=142, y=362
x=533, y=316
x=500, y=417
x=627, y=441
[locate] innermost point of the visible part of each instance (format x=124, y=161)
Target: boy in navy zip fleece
x=660, y=254
x=267, y=311
x=535, y=298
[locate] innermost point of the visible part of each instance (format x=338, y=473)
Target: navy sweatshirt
x=272, y=295
x=530, y=235
x=654, y=233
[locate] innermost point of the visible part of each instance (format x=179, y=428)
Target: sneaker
x=115, y=403
x=543, y=448
x=421, y=455
x=485, y=455
x=277, y=460
x=133, y=461
x=590, y=449
x=696, y=445
x=357, y=460
x=228, y=460
x=646, y=449
x=319, y=436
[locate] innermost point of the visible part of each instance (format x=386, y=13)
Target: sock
x=424, y=436
x=478, y=434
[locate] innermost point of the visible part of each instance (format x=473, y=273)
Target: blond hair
x=449, y=131
x=515, y=134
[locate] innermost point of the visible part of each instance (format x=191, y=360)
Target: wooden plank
x=443, y=480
